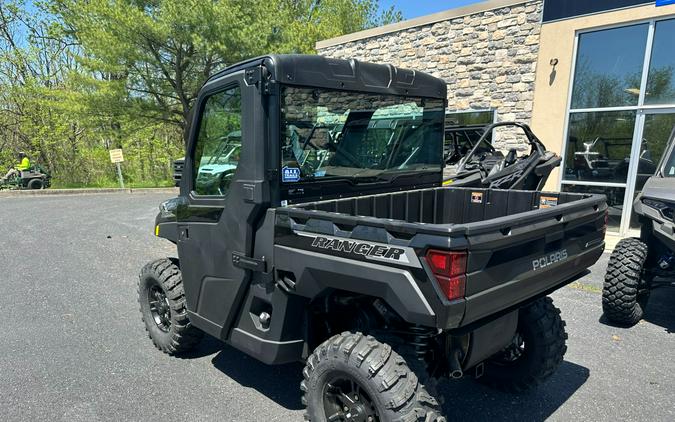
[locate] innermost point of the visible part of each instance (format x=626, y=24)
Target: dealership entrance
x=621, y=111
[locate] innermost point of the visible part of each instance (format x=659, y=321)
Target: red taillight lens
x=449, y=269
x=447, y=263
x=453, y=287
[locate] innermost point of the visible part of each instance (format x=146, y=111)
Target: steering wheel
x=225, y=181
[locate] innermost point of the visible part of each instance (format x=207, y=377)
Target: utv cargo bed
x=520, y=245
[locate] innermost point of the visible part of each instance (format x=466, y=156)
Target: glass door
x=654, y=130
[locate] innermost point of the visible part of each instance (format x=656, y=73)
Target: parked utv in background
x=486, y=167
x=34, y=178
x=332, y=242
x=459, y=140
x=639, y=265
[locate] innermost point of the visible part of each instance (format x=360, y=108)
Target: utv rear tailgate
x=512, y=259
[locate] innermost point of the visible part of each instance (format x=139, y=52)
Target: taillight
x=449, y=269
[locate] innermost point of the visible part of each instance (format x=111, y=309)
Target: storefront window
x=609, y=67
x=470, y=118
x=661, y=79
x=599, y=145
x=616, y=110
x=615, y=197
x=657, y=130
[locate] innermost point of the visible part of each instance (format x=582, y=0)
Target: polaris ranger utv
x=639, y=265
x=330, y=241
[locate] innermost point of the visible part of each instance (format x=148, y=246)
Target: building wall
x=551, y=90
x=488, y=58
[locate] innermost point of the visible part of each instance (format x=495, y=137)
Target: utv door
x=216, y=223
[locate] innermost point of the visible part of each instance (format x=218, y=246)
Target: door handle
x=249, y=263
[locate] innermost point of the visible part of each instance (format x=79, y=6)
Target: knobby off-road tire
x=163, y=308
x=537, y=351
x=624, y=294
x=383, y=387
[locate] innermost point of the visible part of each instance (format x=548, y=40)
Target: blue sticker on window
x=290, y=174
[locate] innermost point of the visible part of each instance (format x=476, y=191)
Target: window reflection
x=609, y=67
x=599, y=145
x=661, y=78
x=614, y=196
x=658, y=128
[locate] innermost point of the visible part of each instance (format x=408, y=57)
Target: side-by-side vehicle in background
x=329, y=239
x=483, y=166
x=639, y=265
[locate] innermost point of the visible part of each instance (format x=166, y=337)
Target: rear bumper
x=511, y=294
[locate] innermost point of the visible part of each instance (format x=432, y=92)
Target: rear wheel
x=353, y=377
x=163, y=308
x=35, y=184
x=534, y=355
x=625, y=292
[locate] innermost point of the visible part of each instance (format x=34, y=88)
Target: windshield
x=669, y=167
x=358, y=136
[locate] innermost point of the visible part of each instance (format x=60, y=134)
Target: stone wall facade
x=488, y=58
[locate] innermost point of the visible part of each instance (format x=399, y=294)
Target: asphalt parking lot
x=74, y=348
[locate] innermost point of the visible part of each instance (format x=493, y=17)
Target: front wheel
x=534, y=355
x=353, y=377
x=163, y=308
x=624, y=292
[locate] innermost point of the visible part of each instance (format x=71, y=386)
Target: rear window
x=329, y=134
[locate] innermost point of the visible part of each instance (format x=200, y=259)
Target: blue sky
x=414, y=8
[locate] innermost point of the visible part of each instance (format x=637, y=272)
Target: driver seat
x=511, y=157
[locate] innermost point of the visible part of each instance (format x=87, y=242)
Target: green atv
x=34, y=178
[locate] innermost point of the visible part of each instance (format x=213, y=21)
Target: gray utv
x=639, y=265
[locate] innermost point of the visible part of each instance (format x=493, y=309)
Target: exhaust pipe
x=455, y=366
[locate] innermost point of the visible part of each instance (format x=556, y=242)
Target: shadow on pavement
x=208, y=346
x=469, y=400
x=660, y=310
x=464, y=399
x=280, y=383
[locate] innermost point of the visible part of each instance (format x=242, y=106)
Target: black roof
x=353, y=75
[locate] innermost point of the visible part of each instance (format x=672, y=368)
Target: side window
x=218, y=143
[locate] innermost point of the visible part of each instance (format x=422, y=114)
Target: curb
x=87, y=191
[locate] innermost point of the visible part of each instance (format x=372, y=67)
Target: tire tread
x=623, y=280
x=182, y=336
x=404, y=397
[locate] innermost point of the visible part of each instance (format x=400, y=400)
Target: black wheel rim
x=159, y=308
x=345, y=400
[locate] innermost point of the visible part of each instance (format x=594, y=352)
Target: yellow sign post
x=117, y=157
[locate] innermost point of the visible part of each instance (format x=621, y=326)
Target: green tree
x=78, y=77
x=164, y=50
